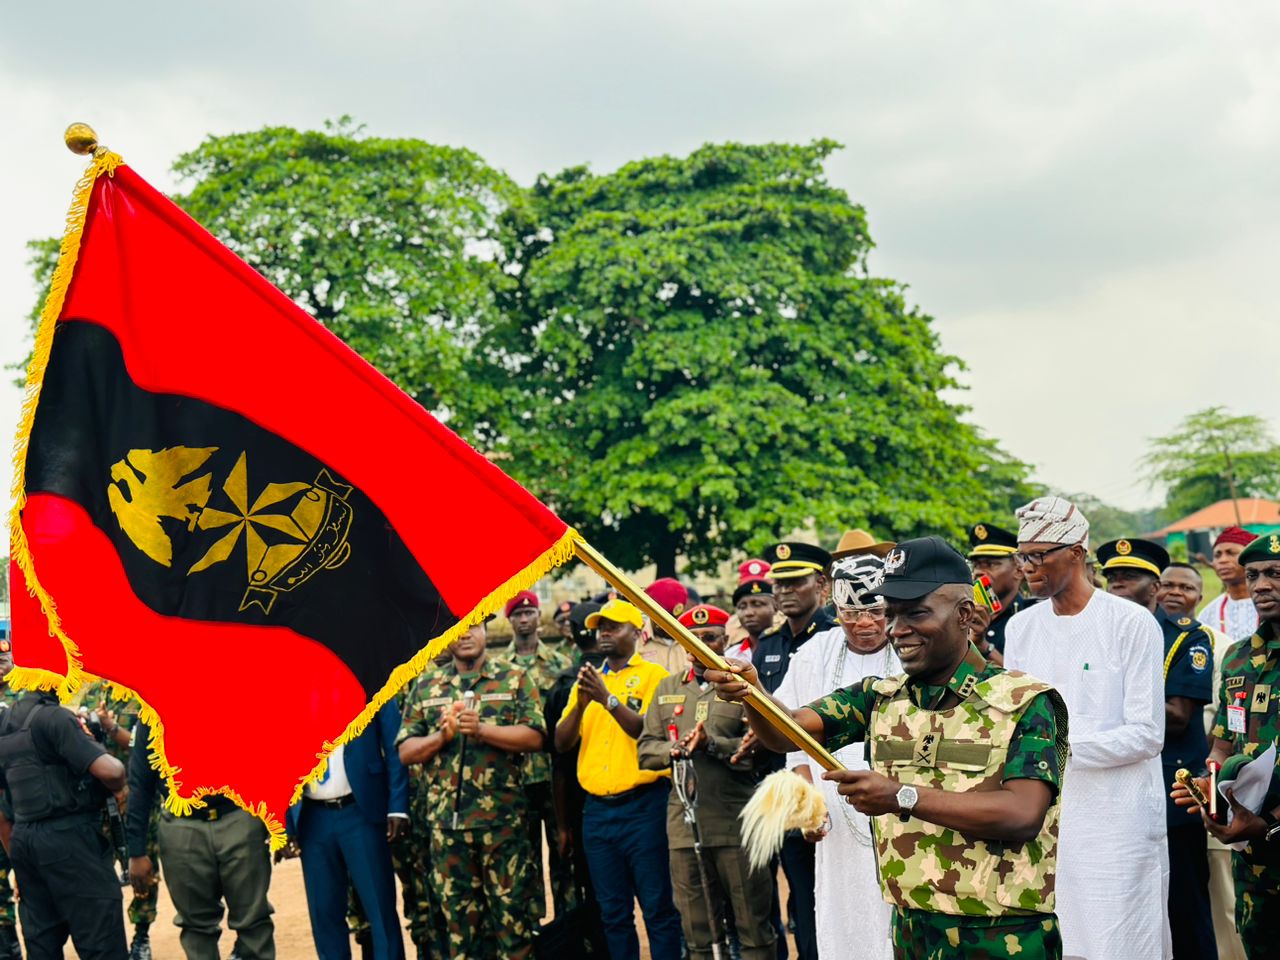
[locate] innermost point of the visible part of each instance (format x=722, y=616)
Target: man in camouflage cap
x=966, y=765
x=469, y=728
x=1248, y=722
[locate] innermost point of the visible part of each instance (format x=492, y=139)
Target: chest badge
x=926, y=752
x=700, y=714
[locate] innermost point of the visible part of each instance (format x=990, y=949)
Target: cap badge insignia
x=700, y=615
x=783, y=551
x=753, y=568
x=894, y=560
x=980, y=532
x=1124, y=548
x=755, y=587
x=677, y=609
x=1274, y=545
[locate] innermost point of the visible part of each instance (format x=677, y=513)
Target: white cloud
x=1082, y=190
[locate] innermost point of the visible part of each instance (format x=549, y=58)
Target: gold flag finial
x=81, y=139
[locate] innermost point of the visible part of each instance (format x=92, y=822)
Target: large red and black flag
x=224, y=510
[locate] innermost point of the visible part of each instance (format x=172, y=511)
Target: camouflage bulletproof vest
x=924, y=866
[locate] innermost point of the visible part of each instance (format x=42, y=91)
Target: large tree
x=696, y=360
x=1214, y=455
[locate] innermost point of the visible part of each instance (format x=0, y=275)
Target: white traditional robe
x=852, y=915
x=1113, y=863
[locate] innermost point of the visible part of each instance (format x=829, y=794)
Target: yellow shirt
x=607, y=758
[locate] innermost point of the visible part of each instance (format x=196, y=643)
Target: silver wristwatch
x=612, y=703
x=907, y=798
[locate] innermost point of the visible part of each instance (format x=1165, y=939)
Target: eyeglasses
x=873, y=611
x=1035, y=559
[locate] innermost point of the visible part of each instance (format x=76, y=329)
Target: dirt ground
x=293, y=928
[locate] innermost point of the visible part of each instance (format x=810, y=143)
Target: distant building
x=1198, y=530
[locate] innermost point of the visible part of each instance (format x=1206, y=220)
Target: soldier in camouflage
x=1247, y=723
x=112, y=722
x=966, y=766
x=543, y=664
x=470, y=750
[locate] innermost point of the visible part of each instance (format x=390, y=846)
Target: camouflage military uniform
x=142, y=908
x=474, y=800
x=993, y=899
x=544, y=665
x=1251, y=681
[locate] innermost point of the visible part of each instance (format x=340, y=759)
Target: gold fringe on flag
x=66, y=686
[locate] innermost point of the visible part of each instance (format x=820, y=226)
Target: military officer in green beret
x=993, y=552
x=1248, y=722
x=967, y=762
x=469, y=728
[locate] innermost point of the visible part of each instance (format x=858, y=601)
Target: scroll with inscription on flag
x=223, y=509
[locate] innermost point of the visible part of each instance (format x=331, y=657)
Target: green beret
x=1266, y=547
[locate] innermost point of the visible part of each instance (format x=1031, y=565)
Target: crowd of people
x=1009, y=783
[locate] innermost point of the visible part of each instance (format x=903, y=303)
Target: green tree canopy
x=695, y=361
x=388, y=243
x=1213, y=455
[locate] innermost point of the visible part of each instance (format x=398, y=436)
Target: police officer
x=113, y=721
x=9, y=949
x=1132, y=568
x=58, y=778
x=989, y=773
x=709, y=733
x=471, y=749
x=799, y=575
x=1248, y=722
x=992, y=552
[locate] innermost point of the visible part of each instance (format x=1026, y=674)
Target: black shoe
x=140, y=949
x=9, y=948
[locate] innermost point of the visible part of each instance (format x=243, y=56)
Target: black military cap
x=753, y=588
x=1266, y=547
x=988, y=540
x=916, y=567
x=1133, y=554
x=790, y=560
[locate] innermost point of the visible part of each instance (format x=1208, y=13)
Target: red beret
x=752, y=570
x=704, y=615
x=670, y=595
x=525, y=598
x=1236, y=535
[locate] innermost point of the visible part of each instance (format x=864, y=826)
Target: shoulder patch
x=1199, y=658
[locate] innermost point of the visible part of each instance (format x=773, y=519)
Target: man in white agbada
x=852, y=915
x=1104, y=655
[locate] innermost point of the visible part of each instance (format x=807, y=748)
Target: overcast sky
x=1084, y=195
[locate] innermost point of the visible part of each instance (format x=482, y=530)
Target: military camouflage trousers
x=921, y=935
x=1257, y=901
x=484, y=880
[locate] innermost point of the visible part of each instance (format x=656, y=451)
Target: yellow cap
x=619, y=611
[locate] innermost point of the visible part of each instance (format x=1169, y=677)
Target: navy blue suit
x=348, y=843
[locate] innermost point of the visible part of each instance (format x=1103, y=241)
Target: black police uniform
x=1188, y=672
x=63, y=862
x=988, y=540
x=771, y=658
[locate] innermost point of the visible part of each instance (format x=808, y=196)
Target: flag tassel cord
x=759, y=701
